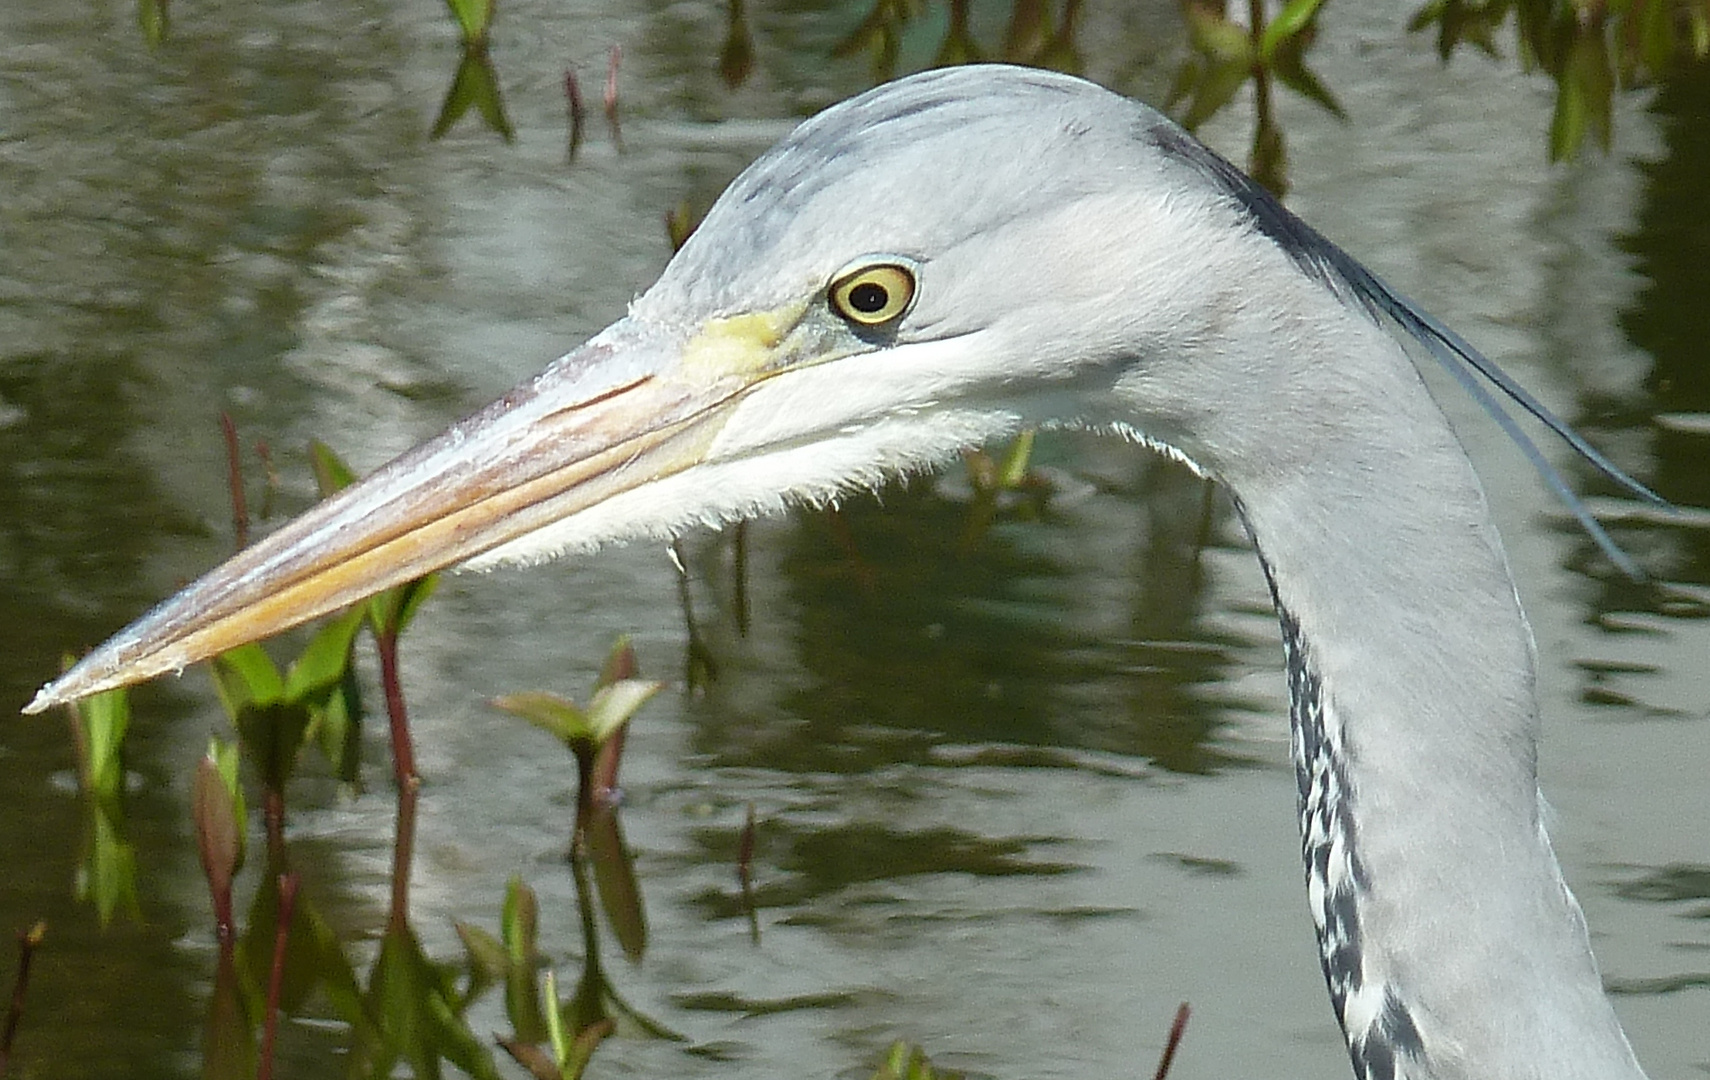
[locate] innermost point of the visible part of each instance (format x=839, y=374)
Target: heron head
x=907, y=274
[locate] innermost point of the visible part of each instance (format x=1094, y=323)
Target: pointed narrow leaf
x=247, y=676
x=228, y=1037
x=486, y=953
x=1290, y=21
x=1219, y=39
x=614, y=877
x=1293, y=73
x=320, y=668
x=518, y=921
x=549, y=712
x=1219, y=84
x=108, y=876
x=331, y=473
x=613, y=705
x=104, y=719
x=620, y=663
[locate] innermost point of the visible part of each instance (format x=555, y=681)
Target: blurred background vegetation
x=1012, y=624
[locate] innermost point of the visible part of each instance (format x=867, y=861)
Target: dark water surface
x=1018, y=797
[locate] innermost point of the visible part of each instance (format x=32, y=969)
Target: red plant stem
x=270, y=475
x=745, y=852
x=739, y=571
x=573, y=99
x=403, y=749
x=403, y=772
x=403, y=852
x=234, y=473
x=276, y=978
x=273, y=819
x=27, y=942
x=611, y=95
x=26, y=949
x=1175, y=1040
x=225, y=931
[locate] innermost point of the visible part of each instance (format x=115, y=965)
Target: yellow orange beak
x=630, y=407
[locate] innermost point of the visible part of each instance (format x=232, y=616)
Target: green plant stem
x=1261, y=75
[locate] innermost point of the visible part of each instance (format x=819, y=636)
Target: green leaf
x=392, y=611
x=320, y=669
x=549, y=712
x=153, y=20
x=1216, y=87
x=475, y=84
x=108, y=875
x=1583, y=98
x=1217, y=38
x=486, y=956
x=1295, y=17
x=613, y=705
x=1293, y=73
x=555, y=1032
x=337, y=727
x=474, y=17
x=518, y=923
x=246, y=676
x=315, y=964
x=1014, y=468
x=415, y=1013
x=614, y=877
x=104, y=718
x=274, y=736
x=331, y=473
x=228, y=1036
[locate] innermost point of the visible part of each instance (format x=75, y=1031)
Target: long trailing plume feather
x=1339, y=272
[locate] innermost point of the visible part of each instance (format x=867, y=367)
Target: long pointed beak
x=621, y=411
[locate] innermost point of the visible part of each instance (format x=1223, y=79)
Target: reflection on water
x=990, y=776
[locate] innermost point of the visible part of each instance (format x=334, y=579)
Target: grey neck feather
x=1452, y=947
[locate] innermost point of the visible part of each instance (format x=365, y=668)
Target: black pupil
x=869, y=297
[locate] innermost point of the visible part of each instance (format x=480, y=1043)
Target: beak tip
x=46, y=698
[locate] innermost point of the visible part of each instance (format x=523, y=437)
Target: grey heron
x=953, y=256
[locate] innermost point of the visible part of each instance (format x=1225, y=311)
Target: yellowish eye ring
x=873, y=295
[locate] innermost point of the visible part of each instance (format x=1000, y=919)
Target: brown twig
x=270, y=490
x=739, y=571
x=27, y=942
x=273, y=823
x=234, y=473
x=276, y=978
x=745, y=874
x=610, y=96
x=1177, y=1028
x=578, y=114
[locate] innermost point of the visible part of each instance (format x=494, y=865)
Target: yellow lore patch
x=738, y=344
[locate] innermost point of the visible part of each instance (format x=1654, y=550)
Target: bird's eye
x=873, y=295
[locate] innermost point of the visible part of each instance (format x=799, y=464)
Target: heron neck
x=1451, y=945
